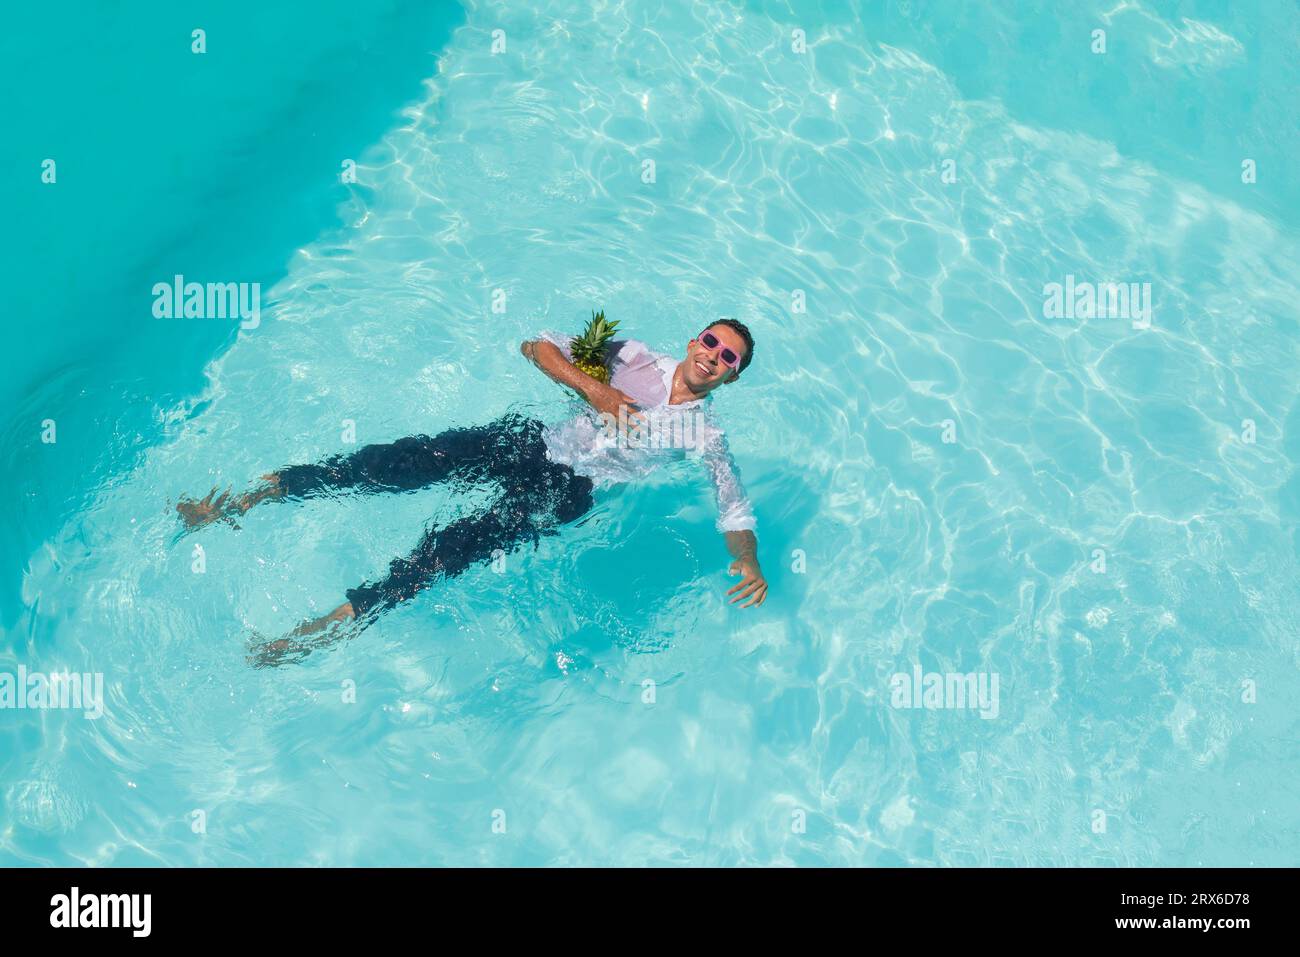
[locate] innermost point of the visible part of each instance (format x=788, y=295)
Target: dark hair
x=742, y=330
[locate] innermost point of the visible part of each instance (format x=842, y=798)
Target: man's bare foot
x=280, y=651
x=213, y=507
x=196, y=514
x=298, y=644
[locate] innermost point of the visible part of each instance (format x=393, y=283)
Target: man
x=546, y=475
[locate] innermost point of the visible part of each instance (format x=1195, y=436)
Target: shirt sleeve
x=734, y=511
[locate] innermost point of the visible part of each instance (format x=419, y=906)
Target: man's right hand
x=607, y=400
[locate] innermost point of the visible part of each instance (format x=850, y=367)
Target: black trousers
x=537, y=496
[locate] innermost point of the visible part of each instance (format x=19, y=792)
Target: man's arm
x=601, y=397
x=548, y=357
x=735, y=518
x=743, y=546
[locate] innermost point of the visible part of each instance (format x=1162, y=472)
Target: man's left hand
x=752, y=583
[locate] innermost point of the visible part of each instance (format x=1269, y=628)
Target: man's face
x=704, y=370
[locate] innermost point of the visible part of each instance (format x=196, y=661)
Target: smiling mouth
x=703, y=368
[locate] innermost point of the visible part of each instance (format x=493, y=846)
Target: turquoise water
x=934, y=461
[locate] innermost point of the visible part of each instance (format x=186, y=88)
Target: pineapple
x=588, y=349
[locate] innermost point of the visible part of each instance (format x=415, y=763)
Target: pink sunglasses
x=728, y=357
